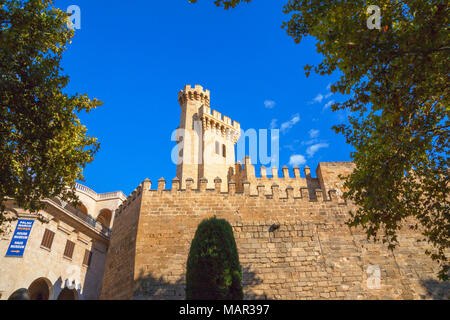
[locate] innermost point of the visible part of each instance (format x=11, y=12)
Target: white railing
x=100, y=196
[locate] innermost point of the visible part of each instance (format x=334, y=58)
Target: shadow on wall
x=436, y=290
x=148, y=287
x=92, y=285
x=249, y=281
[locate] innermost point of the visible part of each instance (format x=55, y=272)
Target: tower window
x=224, y=151
x=217, y=147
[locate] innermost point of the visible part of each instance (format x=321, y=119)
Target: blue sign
x=20, y=238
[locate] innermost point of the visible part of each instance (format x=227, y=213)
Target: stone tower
x=205, y=139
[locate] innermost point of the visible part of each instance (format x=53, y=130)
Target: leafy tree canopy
x=43, y=145
x=213, y=269
x=397, y=79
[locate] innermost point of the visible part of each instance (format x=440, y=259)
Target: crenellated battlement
x=285, y=188
x=133, y=196
x=213, y=120
x=274, y=192
x=193, y=94
x=327, y=178
x=216, y=119
x=247, y=170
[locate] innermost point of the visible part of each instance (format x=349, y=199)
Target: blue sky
x=136, y=55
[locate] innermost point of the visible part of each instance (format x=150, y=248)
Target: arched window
x=224, y=151
x=83, y=208
x=104, y=217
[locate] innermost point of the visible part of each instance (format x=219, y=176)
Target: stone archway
x=20, y=294
x=83, y=209
x=104, y=217
x=40, y=289
x=68, y=294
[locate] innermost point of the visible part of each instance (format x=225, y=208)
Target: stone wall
x=120, y=262
x=290, y=247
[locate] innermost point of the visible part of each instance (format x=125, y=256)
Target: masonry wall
x=120, y=262
x=311, y=255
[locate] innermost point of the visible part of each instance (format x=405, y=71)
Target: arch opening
x=83, y=208
x=20, y=294
x=68, y=294
x=40, y=289
x=104, y=217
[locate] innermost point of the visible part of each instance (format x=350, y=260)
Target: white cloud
x=297, y=160
x=289, y=124
x=313, y=133
x=307, y=143
x=269, y=104
x=315, y=147
x=329, y=103
x=318, y=98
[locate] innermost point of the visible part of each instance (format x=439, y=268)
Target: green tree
x=43, y=145
x=397, y=79
x=213, y=269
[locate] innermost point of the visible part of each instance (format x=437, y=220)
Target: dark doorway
x=40, y=289
x=68, y=294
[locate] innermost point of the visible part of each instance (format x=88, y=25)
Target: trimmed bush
x=213, y=269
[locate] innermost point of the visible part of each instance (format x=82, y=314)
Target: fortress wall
x=120, y=262
x=312, y=254
x=289, y=247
